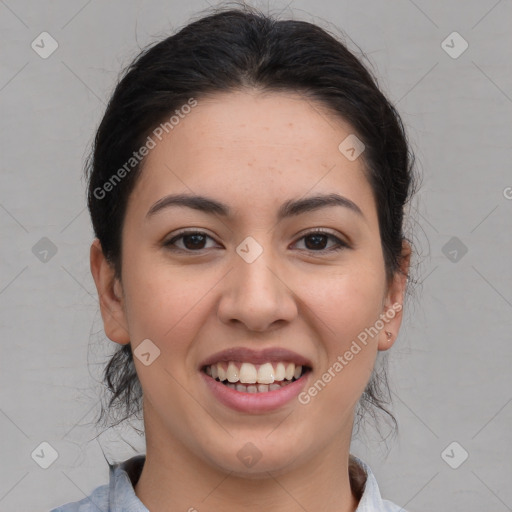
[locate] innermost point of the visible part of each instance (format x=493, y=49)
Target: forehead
x=257, y=147
x=285, y=123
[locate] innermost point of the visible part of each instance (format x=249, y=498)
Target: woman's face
x=257, y=280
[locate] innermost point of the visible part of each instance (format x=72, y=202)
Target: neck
x=173, y=478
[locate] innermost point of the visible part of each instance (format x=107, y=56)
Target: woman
x=247, y=189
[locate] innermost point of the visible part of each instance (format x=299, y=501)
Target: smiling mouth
x=255, y=378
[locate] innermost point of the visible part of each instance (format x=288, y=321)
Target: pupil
x=315, y=237
x=196, y=237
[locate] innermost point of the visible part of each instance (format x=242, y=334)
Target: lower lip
x=255, y=402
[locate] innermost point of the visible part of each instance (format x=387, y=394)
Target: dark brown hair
x=228, y=50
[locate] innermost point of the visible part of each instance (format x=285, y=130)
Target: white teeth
x=280, y=372
x=257, y=388
x=266, y=374
x=221, y=372
x=290, y=370
x=232, y=373
x=248, y=373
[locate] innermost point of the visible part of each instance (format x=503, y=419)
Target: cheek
x=349, y=300
x=349, y=305
x=166, y=303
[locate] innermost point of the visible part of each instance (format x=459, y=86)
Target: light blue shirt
x=119, y=495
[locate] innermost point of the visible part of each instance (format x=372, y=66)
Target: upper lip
x=249, y=355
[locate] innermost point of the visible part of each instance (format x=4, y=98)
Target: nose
x=257, y=295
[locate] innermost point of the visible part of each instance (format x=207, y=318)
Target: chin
x=255, y=459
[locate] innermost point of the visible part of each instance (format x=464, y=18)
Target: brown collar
x=357, y=477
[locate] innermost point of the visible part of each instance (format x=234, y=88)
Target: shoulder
x=98, y=500
x=365, y=487
x=116, y=496
x=389, y=506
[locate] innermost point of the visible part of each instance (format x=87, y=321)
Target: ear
x=392, y=312
x=110, y=294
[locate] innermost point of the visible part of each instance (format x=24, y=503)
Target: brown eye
x=192, y=241
x=195, y=241
x=316, y=241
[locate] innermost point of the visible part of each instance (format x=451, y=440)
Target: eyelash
x=340, y=243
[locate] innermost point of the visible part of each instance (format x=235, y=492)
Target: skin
x=252, y=151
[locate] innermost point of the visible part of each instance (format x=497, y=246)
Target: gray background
x=450, y=368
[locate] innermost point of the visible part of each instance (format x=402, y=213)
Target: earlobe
x=389, y=338
x=110, y=296
x=393, y=311
x=392, y=318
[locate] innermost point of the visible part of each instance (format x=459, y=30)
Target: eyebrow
x=289, y=208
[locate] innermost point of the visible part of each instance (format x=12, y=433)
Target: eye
x=193, y=241
x=318, y=239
